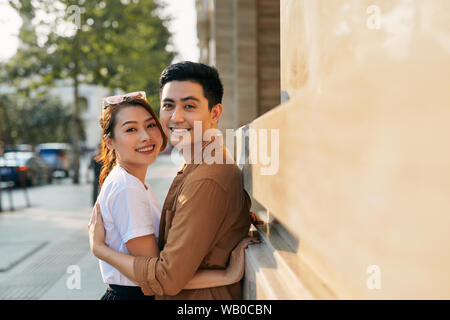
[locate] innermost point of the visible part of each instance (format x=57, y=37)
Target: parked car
x=59, y=156
x=15, y=166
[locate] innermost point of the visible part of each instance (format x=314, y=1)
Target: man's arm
x=207, y=278
x=201, y=211
x=125, y=263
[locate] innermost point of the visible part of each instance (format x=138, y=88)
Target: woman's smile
x=147, y=149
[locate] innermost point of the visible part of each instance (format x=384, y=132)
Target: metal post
x=23, y=184
x=9, y=187
x=1, y=208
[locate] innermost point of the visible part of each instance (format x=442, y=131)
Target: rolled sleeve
x=144, y=269
x=193, y=233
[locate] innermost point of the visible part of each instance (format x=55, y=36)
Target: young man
x=206, y=212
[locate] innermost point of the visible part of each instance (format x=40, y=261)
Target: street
x=44, y=248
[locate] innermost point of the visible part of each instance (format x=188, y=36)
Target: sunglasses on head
x=123, y=98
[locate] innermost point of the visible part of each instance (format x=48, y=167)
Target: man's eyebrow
x=182, y=99
x=190, y=98
x=131, y=121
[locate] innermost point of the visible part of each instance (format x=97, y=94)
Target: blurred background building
x=242, y=39
x=91, y=103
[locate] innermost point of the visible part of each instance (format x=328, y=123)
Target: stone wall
x=242, y=39
x=358, y=208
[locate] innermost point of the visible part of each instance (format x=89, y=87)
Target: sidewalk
x=45, y=249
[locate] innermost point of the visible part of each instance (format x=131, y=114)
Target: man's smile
x=179, y=129
x=179, y=132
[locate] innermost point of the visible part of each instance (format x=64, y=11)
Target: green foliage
x=118, y=45
x=33, y=120
x=111, y=43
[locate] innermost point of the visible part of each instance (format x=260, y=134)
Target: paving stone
x=12, y=253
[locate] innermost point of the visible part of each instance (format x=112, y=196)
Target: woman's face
x=137, y=139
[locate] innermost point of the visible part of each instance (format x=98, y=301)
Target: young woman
x=132, y=139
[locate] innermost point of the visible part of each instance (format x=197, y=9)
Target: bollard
x=1, y=208
x=23, y=184
x=9, y=188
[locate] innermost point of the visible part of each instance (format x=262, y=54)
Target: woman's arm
x=121, y=261
x=144, y=246
x=207, y=278
x=124, y=262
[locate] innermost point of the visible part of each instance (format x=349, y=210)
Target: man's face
x=182, y=103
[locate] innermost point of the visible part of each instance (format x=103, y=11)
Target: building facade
x=357, y=92
x=91, y=105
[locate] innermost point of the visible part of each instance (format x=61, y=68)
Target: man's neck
x=195, y=153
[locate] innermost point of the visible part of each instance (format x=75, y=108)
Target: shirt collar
x=186, y=165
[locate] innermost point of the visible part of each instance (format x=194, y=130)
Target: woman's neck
x=136, y=171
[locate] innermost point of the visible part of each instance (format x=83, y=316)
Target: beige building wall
x=355, y=191
x=364, y=159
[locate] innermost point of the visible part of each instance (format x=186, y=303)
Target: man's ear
x=216, y=112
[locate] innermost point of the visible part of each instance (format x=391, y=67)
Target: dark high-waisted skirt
x=116, y=292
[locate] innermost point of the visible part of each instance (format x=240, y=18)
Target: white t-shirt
x=128, y=211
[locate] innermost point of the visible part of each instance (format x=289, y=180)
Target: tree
x=115, y=44
x=33, y=120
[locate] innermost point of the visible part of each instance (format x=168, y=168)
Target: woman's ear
x=109, y=143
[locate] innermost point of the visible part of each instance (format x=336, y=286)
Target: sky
x=183, y=28
x=9, y=27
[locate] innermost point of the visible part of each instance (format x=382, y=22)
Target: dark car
x=27, y=167
x=58, y=156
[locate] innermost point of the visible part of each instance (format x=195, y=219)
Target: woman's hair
x=107, y=157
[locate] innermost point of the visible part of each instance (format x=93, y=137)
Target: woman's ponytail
x=108, y=159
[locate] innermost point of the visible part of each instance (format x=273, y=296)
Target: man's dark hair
x=205, y=75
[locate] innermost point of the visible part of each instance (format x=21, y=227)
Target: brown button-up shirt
x=204, y=216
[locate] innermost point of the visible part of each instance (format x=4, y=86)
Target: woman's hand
x=96, y=231
x=208, y=278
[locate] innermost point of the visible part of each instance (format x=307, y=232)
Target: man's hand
x=96, y=231
x=236, y=266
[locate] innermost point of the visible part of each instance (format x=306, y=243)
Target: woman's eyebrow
x=132, y=121
x=128, y=122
